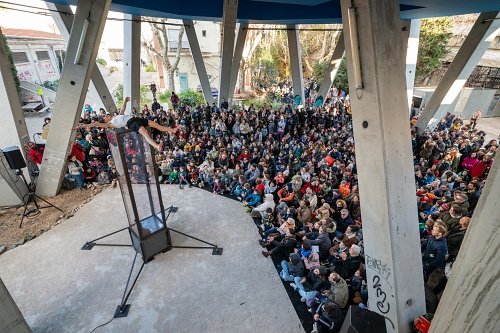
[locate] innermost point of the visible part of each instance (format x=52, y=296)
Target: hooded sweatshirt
x=295, y=265
x=268, y=203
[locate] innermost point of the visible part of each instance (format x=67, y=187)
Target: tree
x=170, y=61
x=435, y=34
x=341, y=81
x=11, y=61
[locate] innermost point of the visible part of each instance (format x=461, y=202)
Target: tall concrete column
x=11, y=319
x=132, y=61
x=411, y=37
x=384, y=160
x=238, y=52
x=296, y=62
x=194, y=45
x=483, y=32
x=227, y=41
x=98, y=84
x=83, y=45
x=14, y=131
x=474, y=275
x=333, y=67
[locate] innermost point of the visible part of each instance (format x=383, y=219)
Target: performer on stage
x=137, y=125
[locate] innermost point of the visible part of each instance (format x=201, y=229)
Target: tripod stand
x=123, y=308
x=31, y=196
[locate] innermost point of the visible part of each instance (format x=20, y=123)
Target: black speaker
x=358, y=320
x=14, y=158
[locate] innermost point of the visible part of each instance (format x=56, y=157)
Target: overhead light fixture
x=353, y=36
x=81, y=42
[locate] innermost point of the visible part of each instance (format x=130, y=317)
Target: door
x=183, y=80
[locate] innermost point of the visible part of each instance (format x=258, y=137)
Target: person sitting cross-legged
x=293, y=268
x=311, y=284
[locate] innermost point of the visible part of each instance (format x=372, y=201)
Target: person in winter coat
x=323, y=241
x=434, y=250
x=310, y=285
x=292, y=269
x=75, y=169
x=328, y=318
x=456, y=236
x=349, y=264
x=260, y=210
x=338, y=291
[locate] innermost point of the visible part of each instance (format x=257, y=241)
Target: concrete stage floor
x=60, y=288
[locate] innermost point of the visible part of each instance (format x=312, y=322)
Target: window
x=173, y=38
x=42, y=55
x=204, y=33
x=20, y=57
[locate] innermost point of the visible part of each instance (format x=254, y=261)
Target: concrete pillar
x=132, y=62
x=194, y=45
x=64, y=23
x=470, y=300
x=296, y=62
x=11, y=319
x=483, y=32
x=333, y=67
x=227, y=42
x=411, y=37
x=384, y=160
x=238, y=51
x=73, y=86
x=14, y=131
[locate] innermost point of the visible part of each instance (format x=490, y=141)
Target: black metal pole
x=199, y=240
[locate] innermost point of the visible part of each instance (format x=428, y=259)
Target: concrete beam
x=384, y=160
x=194, y=45
x=333, y=67
x=64, y=23
x=11, y=319
x=474, y=274
x=296, y=62
x=227, y=39
x=132, y=62
x=411, y=37
x=238, y=52
x=483, y=32
x=14, y=131
x=83, y=45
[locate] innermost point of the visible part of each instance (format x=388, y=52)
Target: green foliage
x=150, y=68
x=433, y=45
x=320, y=70
x=12, y=66
x=101, y=61
x=191, y=97
x=144, y=91
x=341, y=81
x=164, y=97
x=52, y=85
x=118, y=93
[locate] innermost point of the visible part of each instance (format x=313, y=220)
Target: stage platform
x=60, y=288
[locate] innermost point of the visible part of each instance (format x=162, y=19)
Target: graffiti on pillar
x=381, y=287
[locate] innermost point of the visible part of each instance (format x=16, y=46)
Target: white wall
x=468, y=101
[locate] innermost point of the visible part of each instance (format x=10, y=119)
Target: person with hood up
x=292, y=269
x=260, y=210
x=323, y=212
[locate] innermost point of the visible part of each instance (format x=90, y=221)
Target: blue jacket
x=252, y=199
x=434, y=252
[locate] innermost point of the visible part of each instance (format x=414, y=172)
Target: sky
x=112, y=36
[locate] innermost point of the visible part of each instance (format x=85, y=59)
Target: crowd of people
x=294, y=170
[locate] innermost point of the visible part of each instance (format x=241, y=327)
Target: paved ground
x=60, y=288
x=491, y=126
